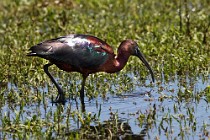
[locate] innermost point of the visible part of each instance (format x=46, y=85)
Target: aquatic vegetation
x=173, y=35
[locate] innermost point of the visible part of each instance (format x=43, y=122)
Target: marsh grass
x=173, y=35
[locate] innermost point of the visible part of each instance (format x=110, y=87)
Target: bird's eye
x=136, y=50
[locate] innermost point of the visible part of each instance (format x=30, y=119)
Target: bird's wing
x=80, y=51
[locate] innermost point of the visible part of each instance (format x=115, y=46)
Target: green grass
x=174, y=36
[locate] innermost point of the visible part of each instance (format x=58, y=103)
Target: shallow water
x=186, y=118
x=142, y=100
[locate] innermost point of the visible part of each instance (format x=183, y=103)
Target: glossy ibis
x=85, y=54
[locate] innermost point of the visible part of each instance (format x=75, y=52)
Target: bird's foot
x=59, y=99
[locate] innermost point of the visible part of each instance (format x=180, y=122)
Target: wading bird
x=85, y=54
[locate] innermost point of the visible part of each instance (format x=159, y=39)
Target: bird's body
x=85, y=54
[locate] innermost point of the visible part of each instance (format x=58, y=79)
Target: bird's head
x=133, y=48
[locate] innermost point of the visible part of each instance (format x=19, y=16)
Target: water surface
x=172, y=116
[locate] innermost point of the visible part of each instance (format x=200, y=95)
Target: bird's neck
x=121, y=59
x=118, y=62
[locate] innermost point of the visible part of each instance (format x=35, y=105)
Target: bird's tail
x=40, y=50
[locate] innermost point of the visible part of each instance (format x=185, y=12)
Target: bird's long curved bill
x=142, y=58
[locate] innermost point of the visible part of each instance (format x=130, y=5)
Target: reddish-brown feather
x=85, y=54
x=107, y=48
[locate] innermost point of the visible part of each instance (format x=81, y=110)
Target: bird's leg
x=82, y=92
x=60, y=97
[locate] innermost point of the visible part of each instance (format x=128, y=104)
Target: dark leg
x=60, y=97
x=82, y=92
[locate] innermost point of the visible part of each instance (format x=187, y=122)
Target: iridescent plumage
x=85, y=54
x=77, y=51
